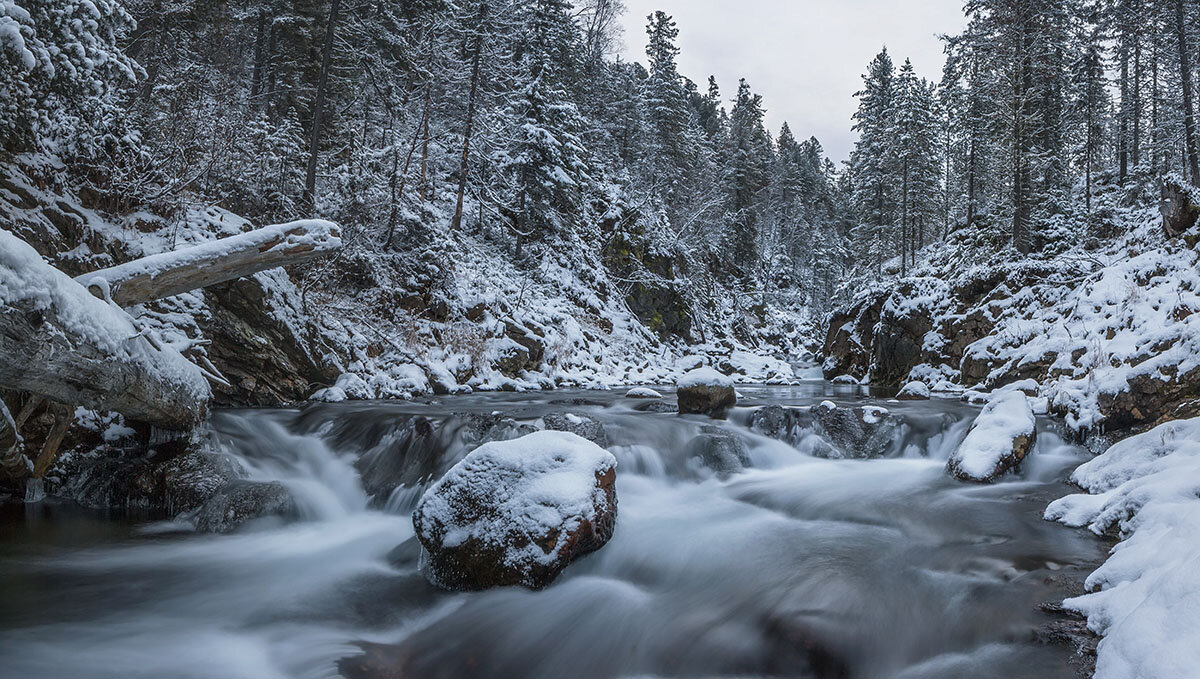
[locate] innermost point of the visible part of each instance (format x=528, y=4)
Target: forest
x=338, y=324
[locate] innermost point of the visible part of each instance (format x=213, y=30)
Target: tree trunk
x=171, y=273
x=314, y=142
x=1123, y=115
x=64, y=344
x=466, y=150
x=1185, y=73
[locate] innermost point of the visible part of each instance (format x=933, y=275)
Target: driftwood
x=218, y=261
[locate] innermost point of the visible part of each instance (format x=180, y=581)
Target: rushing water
x=798, y=566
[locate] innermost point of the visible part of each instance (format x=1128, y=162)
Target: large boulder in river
x=705, y=391
x=517, y=512
x=1000, y=438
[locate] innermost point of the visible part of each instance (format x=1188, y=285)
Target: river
x=798, y=566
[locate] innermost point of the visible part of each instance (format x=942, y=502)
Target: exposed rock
x=243, y=501
x=517, y=512
x=477, y=428
x=1178, y=211
x=719, y=450
x=280, y=368
x=530, y=341
x=858, y=433
x=848, y=341
x=1148, y=398
x=581, y=426
x=1001, y=436
x=510, y=357
x=705, y=391
x=176, y=478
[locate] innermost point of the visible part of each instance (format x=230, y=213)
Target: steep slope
x=1108, y=332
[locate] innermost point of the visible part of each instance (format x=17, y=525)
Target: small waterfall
x=324, y=484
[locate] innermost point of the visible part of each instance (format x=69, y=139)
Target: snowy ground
x=1145, y=600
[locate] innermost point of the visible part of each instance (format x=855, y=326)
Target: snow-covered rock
x=1001, y=436
x=704, y=390
x=914, y=391
x=517, y=512
x=1145, y=600
x=642, y=392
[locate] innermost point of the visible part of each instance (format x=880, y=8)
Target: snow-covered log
x=60, y=342
x=172, y=273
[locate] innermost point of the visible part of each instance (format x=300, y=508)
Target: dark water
x=797, y=567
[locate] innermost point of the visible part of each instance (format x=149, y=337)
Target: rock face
x=848, y=340
x=845, y=433
x=720, y=451
x=705, y=391
x=998, y=441
x=517, y=512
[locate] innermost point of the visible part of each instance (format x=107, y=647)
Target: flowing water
x=798, y=566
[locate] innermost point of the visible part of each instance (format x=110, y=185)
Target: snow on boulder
x=1001, y=436
x=642, y=392
x=517, y=512
x=706, y=391
x=914, y=391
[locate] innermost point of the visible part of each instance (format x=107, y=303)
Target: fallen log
x=60, y=342
x=171, y=273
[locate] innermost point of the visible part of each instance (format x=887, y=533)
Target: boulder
x=855, y=433
x=705, y=391
x=914, y=391
x=579, y=425
x=642, y=392
x=243, y=501
x=1179, y=212
x=1001, y=436
x=719, y=450
x=517, y=512
x=656, y=407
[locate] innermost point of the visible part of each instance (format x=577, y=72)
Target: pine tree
x=872, y=162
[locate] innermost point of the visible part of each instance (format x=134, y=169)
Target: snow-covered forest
x=337, y=275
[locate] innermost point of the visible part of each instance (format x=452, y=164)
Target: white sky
x=806, y=57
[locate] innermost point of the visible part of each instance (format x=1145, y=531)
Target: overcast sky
x=806, y=57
